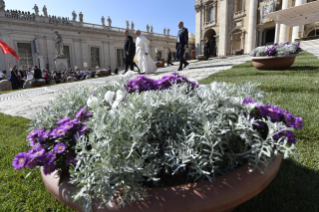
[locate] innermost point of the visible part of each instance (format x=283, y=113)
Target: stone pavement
x=26, y=103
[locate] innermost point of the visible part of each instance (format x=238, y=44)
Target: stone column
x=222, y=48
x=242, y=37
x=297, y=29
x=260, y=36
x=277, y=32
x=251, y=41
x=283, y=36
x=198, y=31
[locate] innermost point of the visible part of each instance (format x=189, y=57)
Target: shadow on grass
x=295, y=188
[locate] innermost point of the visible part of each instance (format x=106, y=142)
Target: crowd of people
x=20, y=77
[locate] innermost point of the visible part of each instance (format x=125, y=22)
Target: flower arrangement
x=200, y=56
x=159, y=133
x=142, y=83
x=54, y=148
x=277, y=50
x=238, y=50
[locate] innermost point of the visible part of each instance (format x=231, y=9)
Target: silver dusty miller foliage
x=203, y=131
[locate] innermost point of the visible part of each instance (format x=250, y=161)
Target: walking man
x=181, y=45
x=169, y=57
x=129, y=51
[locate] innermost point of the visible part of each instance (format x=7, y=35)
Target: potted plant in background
x=238, y=51
x=159, y=145
x=276, y=57
x=201, y=57
x=102, y=73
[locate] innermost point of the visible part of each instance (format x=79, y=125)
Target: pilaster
x=283, y=37
x=252, y=25
x=222, y=48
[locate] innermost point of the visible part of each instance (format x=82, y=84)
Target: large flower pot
x=103, y=74
x=201, y=58
x=274, y=62
x=37, y=84
x=224, y=195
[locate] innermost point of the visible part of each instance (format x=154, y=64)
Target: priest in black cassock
x=207, y=48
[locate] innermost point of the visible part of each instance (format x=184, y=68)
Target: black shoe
x=186, y=64
x=180, y=69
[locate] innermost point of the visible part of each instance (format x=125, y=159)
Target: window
x=95, y=57
x=159, y=54
x=66, y=50
x=120, y=58
x=25, y=54
x=212, y=14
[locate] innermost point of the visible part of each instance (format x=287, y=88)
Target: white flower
x=120, y=95
x=214, y=86
x=92, y=101
x=109, y=97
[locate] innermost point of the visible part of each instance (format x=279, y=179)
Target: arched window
x=212, y=14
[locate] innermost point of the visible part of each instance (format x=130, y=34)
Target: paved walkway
x=26, y=103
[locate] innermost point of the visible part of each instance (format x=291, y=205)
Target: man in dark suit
x=128, y=51
x=14, y=78
x=207, y=48
x=169, y=58
x=181, y=45
x=37, y=73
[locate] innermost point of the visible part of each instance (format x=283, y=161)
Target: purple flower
x=273, y=112
x=271, y=51
x=43, y=136
x=63, y=121
x=290, y=121
x=20, y=160
x=47, y=158
x=75, y=122
x=67, y=126
x=57, y=132
x=59, y=148
x=248, y=101
x=262, y=110
x=32, y=142
x=37, y=152
x=33, y=134
x=299, y=123
x=49, y=169
x=84, y=128
x=32, y=163
x=81, y=113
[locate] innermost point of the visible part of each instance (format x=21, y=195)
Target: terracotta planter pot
x=37, y=84
x=103, y=74
x=224, y=195
x=274, y=63
x=239, y=53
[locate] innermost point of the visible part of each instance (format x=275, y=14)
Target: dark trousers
x=180, y=55
x=14, y=84
x=207, y=54
x=129, y=63
x=135, y=65
x=169, y=62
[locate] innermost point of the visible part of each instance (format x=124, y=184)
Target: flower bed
x=238, y=51
x=144, y=133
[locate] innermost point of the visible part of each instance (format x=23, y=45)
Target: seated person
x=109, y=70
x=37, y=73
x=56, y=78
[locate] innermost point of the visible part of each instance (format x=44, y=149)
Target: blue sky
x=160, y=14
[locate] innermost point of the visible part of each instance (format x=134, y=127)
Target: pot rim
x=227, y=192
x=274, y=57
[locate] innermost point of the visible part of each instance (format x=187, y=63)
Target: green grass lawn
x=296, y=186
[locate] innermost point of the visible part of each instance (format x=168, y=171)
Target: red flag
x=8, y=50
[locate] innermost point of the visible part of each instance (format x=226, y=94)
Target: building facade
x=87, y=46
x=241, y=24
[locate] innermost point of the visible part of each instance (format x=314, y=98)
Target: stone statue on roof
x=45, y=11
x=36, y=10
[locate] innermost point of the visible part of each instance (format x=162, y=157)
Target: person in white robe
x=142, y=57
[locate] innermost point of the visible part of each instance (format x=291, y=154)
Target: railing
x=20, y=16
x=58, y=20
x=95, y=26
